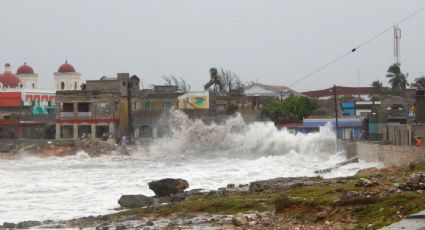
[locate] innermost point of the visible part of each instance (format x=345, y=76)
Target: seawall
x=389, y=155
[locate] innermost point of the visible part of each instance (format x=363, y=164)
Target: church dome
x=9, y=79
x=25, y=69
x=66, y=68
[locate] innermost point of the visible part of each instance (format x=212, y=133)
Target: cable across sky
x=334, y=60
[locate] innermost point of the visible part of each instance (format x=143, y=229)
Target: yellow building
x=194, y=100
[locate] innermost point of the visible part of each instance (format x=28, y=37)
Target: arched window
x=62, y=85
x=75, y=85
x=33, y=85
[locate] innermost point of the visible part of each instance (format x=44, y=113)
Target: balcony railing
x=84, y=114
x=66, y=114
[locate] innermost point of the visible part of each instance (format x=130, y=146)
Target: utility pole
x=336, y=117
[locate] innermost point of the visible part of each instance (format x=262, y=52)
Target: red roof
x=10, y=99
x=340, y=90
x=66, y=68
x=25, y=69
x=9, y=80
x=289, y=125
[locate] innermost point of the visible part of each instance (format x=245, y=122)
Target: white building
x=29, y=79
x=67, y=78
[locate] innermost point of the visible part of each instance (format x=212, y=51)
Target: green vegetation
x=303, y=204
x=292, y=109
x=398, y=80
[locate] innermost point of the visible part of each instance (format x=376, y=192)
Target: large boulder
x=168, y=186
x=135, y=201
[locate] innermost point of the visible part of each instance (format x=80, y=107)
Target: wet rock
x=9, y=225
x=363, y=182
x=239, y=220
x=321, y=216
x=27, y=224
x=278, y=184
x=412, y=166
x=135, y=201
x=168, y=186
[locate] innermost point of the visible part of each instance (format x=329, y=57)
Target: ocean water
x=207, y=156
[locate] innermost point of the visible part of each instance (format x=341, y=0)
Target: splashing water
x=208, y=156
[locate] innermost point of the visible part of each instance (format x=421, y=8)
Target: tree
x=292, y=109
x=230, y=79
x=419, y=82
x=181, y=84
x=377, y=87
x=398, y=80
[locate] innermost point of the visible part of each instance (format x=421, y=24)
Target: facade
x=67, y=78
x=348, y=128
x=100, y=108
x=153, y=105
x=28, y=79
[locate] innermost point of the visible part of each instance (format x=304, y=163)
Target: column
x=155, y=132
x=75, y=131
x=58, y=132
x=112, y=131
x=93, y=131
x=75, y=109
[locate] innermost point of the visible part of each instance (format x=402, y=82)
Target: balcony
x=66, y=114
x=84, y=114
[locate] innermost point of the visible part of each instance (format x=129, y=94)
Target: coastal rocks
x=278, y=184
x=263, y=219
x=362, y=182
x=168, y=186
x=135, y=201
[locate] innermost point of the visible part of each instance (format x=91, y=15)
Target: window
x=75, y=85
x=167, y=104
x=67, y=107
x=62, y=85
x=148, y=105
x=124, y=83
x=84, y=107
x=33, y=85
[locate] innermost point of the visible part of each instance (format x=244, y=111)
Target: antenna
x=397, y=37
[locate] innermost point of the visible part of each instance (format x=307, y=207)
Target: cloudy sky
x=269, y=41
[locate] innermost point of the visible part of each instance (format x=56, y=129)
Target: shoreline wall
x=389, y=155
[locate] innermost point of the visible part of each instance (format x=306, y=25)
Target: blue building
x=346, y=126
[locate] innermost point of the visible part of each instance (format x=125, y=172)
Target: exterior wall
x=28, y=81
x=195, y=100
x=69, y=79
x=389, y=155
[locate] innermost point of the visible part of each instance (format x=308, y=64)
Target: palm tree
x=419, y=82
x=398, y=80
x=377, y=87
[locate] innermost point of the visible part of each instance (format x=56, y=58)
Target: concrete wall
x=389, y=155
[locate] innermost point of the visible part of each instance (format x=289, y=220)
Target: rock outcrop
x=168, y=186
x=135, y=201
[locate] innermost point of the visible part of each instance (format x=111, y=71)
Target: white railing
x=84, y=114
x=66, y=114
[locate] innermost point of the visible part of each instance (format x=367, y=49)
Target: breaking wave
x=207, y=156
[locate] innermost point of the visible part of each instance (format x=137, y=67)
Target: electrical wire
x=357, y=47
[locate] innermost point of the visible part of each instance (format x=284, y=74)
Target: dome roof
x=25, y=69
x=66, y=68
x=9, y=80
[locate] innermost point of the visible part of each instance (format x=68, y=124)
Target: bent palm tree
x=398, y=80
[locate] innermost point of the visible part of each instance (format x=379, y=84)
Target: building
x=28, y=79
x=153, y=105
x=100, y=107
x=261, y=94
x=342, y=92
x=67, y=78
x=9, y=79
x=347, y=127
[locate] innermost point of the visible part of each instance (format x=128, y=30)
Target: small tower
x=67, y=78
x=29, y=79
x=397, y=37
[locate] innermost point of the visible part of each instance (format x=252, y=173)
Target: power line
x=357, y=47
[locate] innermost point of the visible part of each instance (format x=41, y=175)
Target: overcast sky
x=273, y=42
